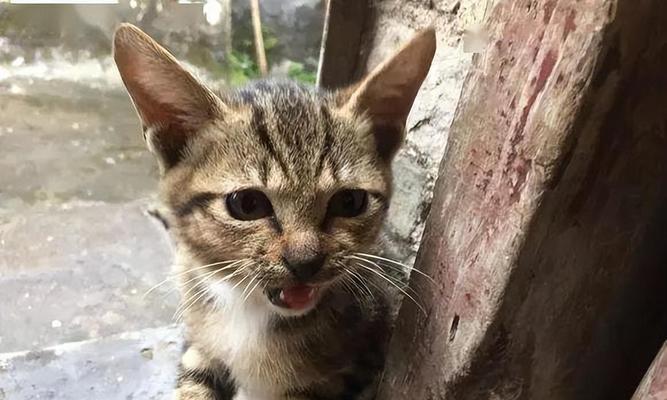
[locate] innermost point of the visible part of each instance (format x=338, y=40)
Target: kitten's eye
x=348, y=203
x=248, y=204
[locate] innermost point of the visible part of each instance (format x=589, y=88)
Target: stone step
x=79, y=272
x=131, y=365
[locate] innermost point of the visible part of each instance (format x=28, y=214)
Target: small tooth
x=282, y=295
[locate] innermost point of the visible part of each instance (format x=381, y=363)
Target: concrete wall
x=393, y=22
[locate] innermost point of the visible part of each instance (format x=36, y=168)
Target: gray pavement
x=78, y=250
x=134, y=365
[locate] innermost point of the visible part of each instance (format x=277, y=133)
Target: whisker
x=189, y=302
x=217, y=270
x=205, y=266
x=200, y=279
x=192, y=302
x=362, y=288
x=357, y=278
x=407, y=267
x=247, y=286
x=366, y=282
x=252, y=290
x=392, y=283
x=239, y=282
x=348, y=284
x=171, y=277
x=403, y=284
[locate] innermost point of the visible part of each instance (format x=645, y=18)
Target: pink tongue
x=297, y=297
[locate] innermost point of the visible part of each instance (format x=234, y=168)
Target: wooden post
x=259, y=39
x=226, y=29
x=546, y=236
x=654, y=384
x=340, y=55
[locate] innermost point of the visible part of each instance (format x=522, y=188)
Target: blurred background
x=78, y=251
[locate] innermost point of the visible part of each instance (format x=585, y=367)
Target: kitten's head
x=289, y=180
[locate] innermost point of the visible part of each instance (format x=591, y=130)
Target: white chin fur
x=289, y=312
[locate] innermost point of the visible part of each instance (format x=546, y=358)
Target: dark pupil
x=249, y=203
x=348, y=203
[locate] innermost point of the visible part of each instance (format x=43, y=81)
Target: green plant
x=242, y=68
x=298, y=72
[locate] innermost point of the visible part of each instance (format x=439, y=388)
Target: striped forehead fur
x=300, y=130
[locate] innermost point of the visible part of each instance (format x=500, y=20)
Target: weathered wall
x=392, y=22
x=546, y=234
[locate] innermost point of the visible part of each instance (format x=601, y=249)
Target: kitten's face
x=287, y=180
x=277, y=185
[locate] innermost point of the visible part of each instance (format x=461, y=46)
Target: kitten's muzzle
x=304, y=269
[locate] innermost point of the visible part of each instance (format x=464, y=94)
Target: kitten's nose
x=304, y=269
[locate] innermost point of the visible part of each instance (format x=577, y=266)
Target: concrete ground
x=78, y=251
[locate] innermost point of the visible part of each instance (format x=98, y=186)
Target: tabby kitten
x=275, y=195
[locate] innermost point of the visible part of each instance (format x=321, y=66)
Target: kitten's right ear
x=386, y=95
x=172, y=104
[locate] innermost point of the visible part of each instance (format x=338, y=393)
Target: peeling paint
x=548, y=64
x=570, y=24
x=518, y=178
x=549, y=7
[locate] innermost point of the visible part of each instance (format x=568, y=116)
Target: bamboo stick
x=259, y=39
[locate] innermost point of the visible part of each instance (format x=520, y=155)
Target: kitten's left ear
x=387, y=93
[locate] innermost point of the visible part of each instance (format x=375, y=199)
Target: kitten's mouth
x=296, y=297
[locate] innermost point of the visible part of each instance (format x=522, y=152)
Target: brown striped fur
x=299, y=146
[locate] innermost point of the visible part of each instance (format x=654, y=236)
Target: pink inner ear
x=168, y=99
x=164, y=93
x=387, y=94
x=151, y=111
x=166, y=96
x=390, y=90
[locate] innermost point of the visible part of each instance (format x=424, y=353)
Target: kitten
x=276, y=194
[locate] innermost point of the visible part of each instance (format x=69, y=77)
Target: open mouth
x=297, y=297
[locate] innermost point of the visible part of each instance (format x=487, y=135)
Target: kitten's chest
x=261, y=367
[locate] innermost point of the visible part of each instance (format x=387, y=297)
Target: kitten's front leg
x=203, y=379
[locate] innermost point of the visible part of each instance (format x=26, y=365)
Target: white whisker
x=353, y=289
x=410, y=269
x=171, y=277
x=388, y=280
x=358, y=278
x=252, y=290
x=189, y=302
x=241, y=281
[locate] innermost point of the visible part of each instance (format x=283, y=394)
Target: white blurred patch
x=213, y=12
x=475, y=39
x=16, y=89
x=98, y=73
x=18, y=61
